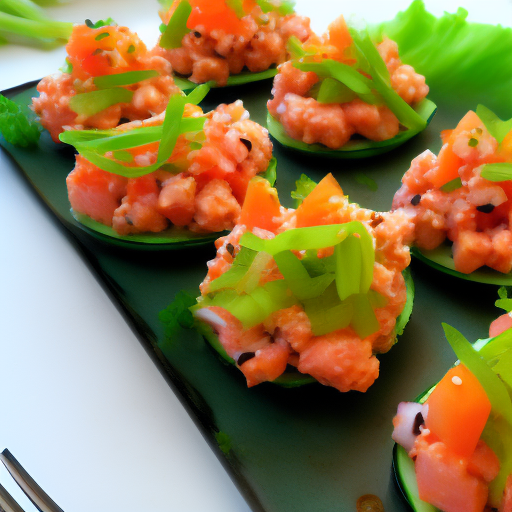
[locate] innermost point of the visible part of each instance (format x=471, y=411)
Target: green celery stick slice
x=245, y=77
x=441, y=259
x=353, y=149
x=292, y=378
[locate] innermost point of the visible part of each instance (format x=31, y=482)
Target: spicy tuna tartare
x=318, y=289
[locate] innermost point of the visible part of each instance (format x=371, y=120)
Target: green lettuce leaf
x=457, y=57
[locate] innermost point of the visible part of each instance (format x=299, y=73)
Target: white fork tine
x=28, y=485
x=7, y=502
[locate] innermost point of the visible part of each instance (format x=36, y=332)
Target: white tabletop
x=82, y=406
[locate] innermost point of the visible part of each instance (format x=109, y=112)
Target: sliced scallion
x=177, y=26
x=120, y=79
x=90, y=103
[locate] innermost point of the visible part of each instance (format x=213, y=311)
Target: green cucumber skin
x=292, y=380
x=440, y=259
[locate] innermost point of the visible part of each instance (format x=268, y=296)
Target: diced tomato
x=315, y=209
x=339, y=35
x=448, y=165
x=261, y=207
x=214, y=15
x=458, y=409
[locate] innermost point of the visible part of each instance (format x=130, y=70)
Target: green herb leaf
x=497, y=172
x=271, y=173
x=90, y=103
x=15, y=125
x=495, y=126
x=178, y=314
x=101, y=23
x=177, y=26
x=303, y=187
x=452, y=185
x=120, y=79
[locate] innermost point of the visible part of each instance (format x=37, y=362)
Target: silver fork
x=28, y=485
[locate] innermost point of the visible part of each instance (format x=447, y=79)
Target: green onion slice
x=90, y=103
x=120, y=79
x=177, y=26
x=497, y=172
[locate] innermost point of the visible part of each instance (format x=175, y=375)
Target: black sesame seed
x=418, y=421
x=97, y=51
x=245, y=357
x=247, y=143
x=485, y=208
x=128, y=220
x=197, y=34
x=230, y=248
x=415, y=201
x=124, y=120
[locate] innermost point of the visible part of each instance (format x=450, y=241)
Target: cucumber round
x=441, y=259
x=354, y=148
x=293, y=378
x=403, y=465
x=170, y=239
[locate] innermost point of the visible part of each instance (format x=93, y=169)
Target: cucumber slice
x=170, y=239
x=403, y=465
x=293, y=378
x=441, y=259
x=245, y=77
x=355, y=148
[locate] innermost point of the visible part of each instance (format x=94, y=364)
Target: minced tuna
x=221, y=44
x=203, y=193
x=333, y=124
x=103, y=51
x=340, y=358
x=447, y=198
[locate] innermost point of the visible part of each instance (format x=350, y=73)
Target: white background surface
x=81, y=404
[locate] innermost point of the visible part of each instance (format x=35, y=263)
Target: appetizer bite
x=109, y=78
x=228, y=41
x=459, y=433
x=312, y=292
x=182, y=169
x=344, y=96
x=463, y=196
